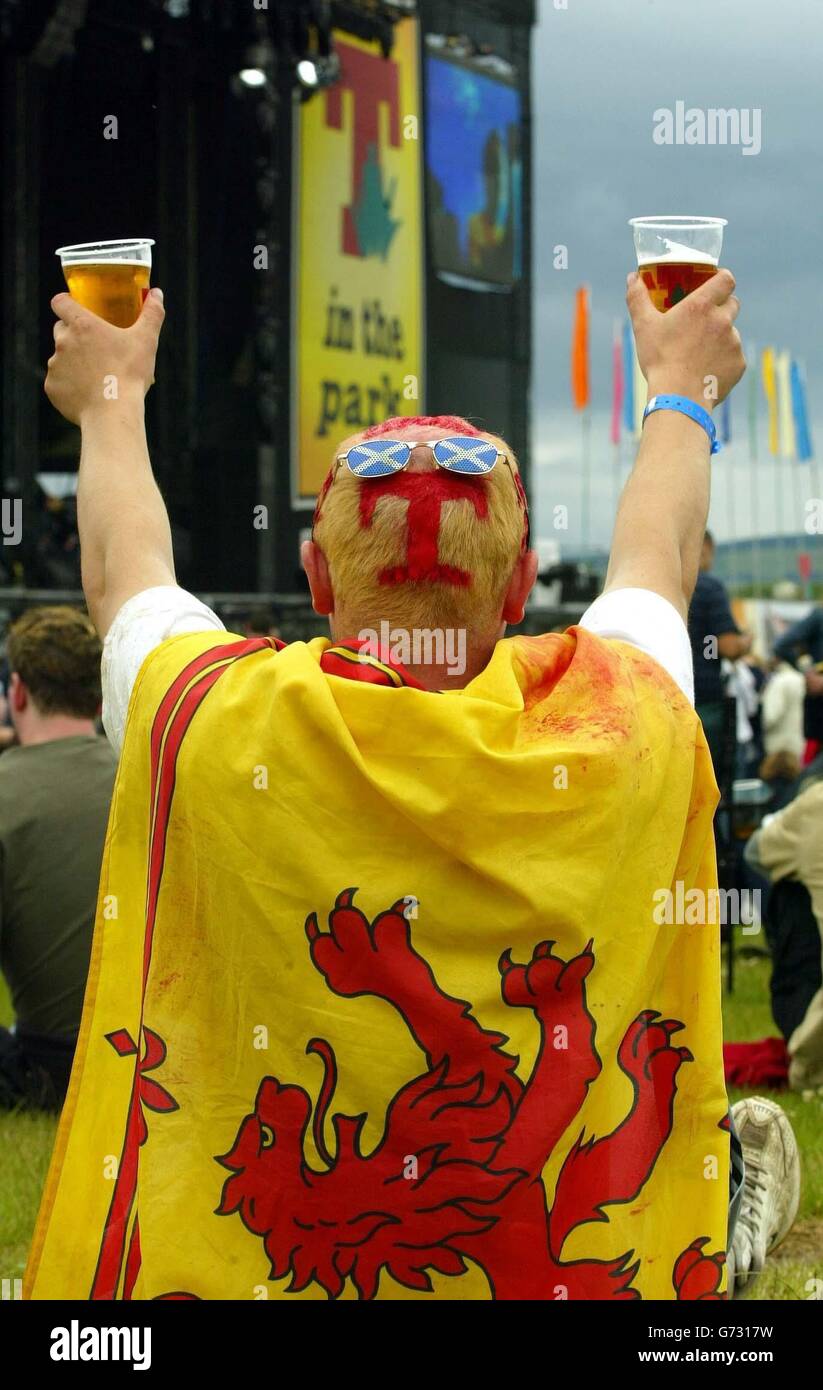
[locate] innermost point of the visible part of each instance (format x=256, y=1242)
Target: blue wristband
x=686, y=407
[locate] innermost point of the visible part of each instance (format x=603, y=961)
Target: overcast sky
x=600, y=70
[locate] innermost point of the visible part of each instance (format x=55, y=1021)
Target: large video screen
x=474, y=174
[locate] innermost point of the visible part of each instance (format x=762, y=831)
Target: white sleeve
x=646, y=620
x=144, y=621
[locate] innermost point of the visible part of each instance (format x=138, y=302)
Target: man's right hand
x=94, y=362
x=678, y=350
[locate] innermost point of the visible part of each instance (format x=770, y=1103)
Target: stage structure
x=340, y=197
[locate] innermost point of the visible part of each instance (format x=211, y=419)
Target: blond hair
x=480, y=537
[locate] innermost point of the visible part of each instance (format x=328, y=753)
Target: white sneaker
x=771, y=1189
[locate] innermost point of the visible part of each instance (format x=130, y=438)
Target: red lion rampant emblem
x=457, y=1173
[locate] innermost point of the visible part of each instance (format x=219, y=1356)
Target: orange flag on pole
x=580, y=350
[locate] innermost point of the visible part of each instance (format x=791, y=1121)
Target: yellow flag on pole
x=770, y=390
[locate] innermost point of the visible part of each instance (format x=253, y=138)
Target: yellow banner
x=358, y=243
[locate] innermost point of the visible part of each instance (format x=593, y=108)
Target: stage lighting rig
x=256, y=61
x=316, y=64
x=314, y=73
x=256, y=57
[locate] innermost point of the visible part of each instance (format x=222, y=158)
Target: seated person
x=780, y=771
x=55, y=789
x=788, y=849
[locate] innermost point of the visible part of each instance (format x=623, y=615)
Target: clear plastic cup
x=676, y=255
x=109, y=277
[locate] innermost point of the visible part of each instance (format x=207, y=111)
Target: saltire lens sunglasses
x=457, y=453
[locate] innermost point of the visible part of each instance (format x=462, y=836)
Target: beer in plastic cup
x=109, y=277
x=676, y=255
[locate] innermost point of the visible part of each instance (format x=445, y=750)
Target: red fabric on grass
x=762, y=1064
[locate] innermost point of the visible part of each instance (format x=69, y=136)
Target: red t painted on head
x=425, y=494
x=450, y=424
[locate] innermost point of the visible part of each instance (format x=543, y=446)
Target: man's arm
x=662, y=515
x=731, y=642
x=98, y=378
x=775, y=847
x=733, y=645
x=125, y=537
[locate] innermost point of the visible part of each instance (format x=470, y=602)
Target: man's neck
x=445, y=677
x=56, y=726
x=439, y=658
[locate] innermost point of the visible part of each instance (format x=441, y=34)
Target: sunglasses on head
x=456, y=453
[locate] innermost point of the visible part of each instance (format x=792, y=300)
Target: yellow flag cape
x=383, y=1000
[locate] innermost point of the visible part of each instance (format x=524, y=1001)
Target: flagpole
x=732, y=529
x=757, y=567
x=581, y=399
x=814, y=473
x=778, y=508
x=814, y=463
x=757, y=573
x=805, y=453
x=787, y=456
x=807, y=579
x=617, y=408
x=725, y=437
x=770, y=386
x=789, y=449
x=797, y=506
x=585, y=500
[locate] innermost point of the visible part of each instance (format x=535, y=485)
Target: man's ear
x=317, y=572
x=18, y=693
x=520, y=586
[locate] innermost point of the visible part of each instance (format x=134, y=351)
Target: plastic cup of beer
x=676, y=255
x=109, y=277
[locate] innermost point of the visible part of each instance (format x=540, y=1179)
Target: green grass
x=25, y=1149
x=26, y=1141
x=747, y=1016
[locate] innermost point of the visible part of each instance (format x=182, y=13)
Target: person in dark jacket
x=714, y=634
x=805, y=638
